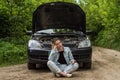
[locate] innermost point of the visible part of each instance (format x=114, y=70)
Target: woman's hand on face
x=54, y=47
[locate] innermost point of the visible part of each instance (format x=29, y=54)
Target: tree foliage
x=102, y=16
x=15, y=17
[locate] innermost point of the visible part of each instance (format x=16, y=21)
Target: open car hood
x=59, y=15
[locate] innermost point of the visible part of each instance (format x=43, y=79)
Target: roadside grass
x=11, y=53
x=111, y=44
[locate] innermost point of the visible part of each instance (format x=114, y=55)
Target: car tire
x=31, y=66
x=87, y=65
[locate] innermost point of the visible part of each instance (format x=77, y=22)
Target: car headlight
x=34, y=44
x=84, y=43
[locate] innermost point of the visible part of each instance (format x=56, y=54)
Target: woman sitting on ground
x=61, y=61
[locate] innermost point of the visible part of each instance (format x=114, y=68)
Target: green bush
x=11, y=53
x=103, y=18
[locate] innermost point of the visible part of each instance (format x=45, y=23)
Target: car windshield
x=52, y=31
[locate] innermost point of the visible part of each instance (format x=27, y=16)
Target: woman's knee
x=76, y=65
x=53, y=67
x=49, y=62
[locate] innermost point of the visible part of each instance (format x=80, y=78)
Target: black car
x=64, y=20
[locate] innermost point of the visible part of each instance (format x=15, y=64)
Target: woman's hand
x=54, y=47
x=73, y=61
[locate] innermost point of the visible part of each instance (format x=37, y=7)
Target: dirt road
x=106, y=66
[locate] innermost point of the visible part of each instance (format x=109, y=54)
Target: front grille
x=47, y=45
x=69, y=45
x=45, y=57
x=66, y=45
x=77, y=57
x=42, y=57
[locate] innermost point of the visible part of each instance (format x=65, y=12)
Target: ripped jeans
x=57, y=68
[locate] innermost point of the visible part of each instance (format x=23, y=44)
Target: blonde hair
x=54, y=40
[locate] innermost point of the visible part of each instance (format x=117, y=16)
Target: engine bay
x=65, y=39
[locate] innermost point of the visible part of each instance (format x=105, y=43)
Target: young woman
x=61, y=61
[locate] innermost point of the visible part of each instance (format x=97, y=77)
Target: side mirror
x=89, y=32
x=29, y=33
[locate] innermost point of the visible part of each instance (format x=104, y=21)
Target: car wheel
x=31, y=66
x=87, y=65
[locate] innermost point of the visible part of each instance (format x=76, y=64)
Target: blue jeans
x=57, y=68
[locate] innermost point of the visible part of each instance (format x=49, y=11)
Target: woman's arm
x=72, y=60
x=52, y=53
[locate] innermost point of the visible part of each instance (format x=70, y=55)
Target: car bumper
x=82, y=54
x=41, y=56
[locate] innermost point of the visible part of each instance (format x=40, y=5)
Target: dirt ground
x=105, y=66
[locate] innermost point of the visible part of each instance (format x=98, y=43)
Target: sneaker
x=68, y=75
x=57, y=75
